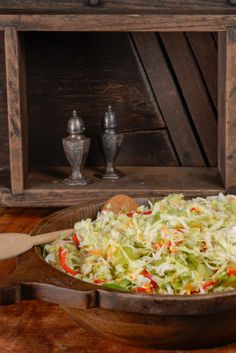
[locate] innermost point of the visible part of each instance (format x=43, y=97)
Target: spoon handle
x=48, y=237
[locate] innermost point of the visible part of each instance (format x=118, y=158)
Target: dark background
x=154, y=95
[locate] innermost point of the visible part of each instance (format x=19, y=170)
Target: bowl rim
x=34, y=278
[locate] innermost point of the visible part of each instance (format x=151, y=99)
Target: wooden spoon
x=14, y=244
x=120, y=203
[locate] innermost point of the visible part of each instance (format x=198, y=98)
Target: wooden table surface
x=37, y=327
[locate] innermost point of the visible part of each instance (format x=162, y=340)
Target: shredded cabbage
x=172, y=246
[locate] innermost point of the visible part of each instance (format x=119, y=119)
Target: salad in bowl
x=172, y=246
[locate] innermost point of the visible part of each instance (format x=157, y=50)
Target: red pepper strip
x=62, y=257
x=169, y=244
x=76, y=240
x=99, y=281
x=206, y=285
x=143, y=290
x=130, y=214
x=147, y=212
x=148, y=275
x=231, y=271
x=195, y=209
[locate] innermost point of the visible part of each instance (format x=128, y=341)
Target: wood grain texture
x=168, y=98
x=139, y=148
x=58, y=333
x=119, y=22
x=44, y=186
x=222, y=75
x=227, y=108
x=4, y=155
x=16, y=113
x=117, y=6
x=143, y=74
x=194, y=92
x=205, y=52
x=73, y=81
x=23, y=103
x=20, y=323
x=146, y=127
x=57, y=84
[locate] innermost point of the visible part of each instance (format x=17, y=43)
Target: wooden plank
x=89, y=83
x=215, y=37
x=20, y=330
x=205, y=51
x=4, y=148
x=140, y=148
x=222, y=162
x=194, y=92
x=168, y=99
x=23, y=102
x=120, y=6
x=148, y=86
x=144, y=77
x=44, y=187
x=227, y=108
x=16, y=113
x=118, y=22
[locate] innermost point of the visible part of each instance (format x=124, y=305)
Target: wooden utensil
x=120, y=203
x=14, y=244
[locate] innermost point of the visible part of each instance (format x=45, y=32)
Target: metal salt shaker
x=111, y=142
x=76, y=147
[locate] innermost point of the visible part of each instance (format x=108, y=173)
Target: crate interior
x=163, y=87
x=88, y=71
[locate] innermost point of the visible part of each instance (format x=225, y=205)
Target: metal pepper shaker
x=76, y=147
x=111, y=142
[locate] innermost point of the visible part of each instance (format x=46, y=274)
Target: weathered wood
x=194, y=92
x=227, y=108
x=146, y=82
x=147, y=20
x=44, y=187
x=205, y=52
x=140, y=148
x=168, y=98
x=4, y=154
x=89, y=83
x=117, y=6
x=215, y=37
x=144, y=77
x=19, y=330
x=23, y=103
x=222, y=128
x=119, y=22
x=16, y=111
x=65, y=80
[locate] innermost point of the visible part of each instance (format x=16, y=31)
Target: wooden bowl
x=160, y=321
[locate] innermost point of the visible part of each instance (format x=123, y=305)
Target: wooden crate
x=199, y=165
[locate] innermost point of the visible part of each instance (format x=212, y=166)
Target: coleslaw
x=172, y=246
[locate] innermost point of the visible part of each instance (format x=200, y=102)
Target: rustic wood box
x=155, y=61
